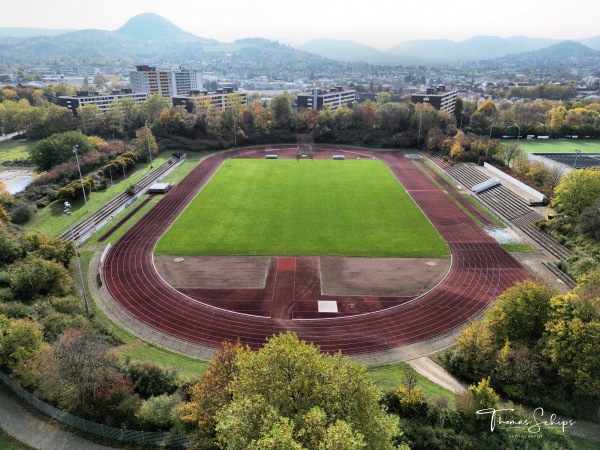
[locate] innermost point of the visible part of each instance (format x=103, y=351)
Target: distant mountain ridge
x=563, y=51
x=151, y=36
x=438, y=50
x=19, y=32
x=347, y=51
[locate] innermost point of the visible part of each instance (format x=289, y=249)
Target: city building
x=102, y=100
x=319, y=98
x=219, y=100
x=165, y=83
x=359, y=69
x=438, y=97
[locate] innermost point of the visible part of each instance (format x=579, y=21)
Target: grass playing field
x=560, y=146
x=299, y=208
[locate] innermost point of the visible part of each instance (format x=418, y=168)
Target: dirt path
x=23, y=426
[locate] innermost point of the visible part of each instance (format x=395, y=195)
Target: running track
x=480, y=271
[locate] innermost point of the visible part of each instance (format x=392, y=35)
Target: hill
x=563, y=51
x=347, y=51
x=152, y=27
x=476, y=48
x=144, y=37
x=19, y=32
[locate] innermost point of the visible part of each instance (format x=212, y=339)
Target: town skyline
x=377, y=25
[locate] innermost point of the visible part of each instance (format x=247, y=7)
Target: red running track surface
x=480, y=271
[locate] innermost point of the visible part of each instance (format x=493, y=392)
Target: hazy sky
x=377, y=23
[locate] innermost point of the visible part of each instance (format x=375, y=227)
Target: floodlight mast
x=425, y=101
x=85, y=300
x=75, y=147
x=148, y=139
x=577, y=152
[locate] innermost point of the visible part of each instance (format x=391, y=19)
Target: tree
x=520, y=313
x=156, y=412
x=280, y=110
x=58, y=148
x=20, y=339
x=34, y=276
x=151, y=380
x=576, y=192
x=10, y=247
x=78, y=368
x=152, y=108
x=474, y=350
x=145, y=143
x=56, y=119
x=589, y=221
x=278, y=388
x=90, y=118
x=572, y=336
x=36, y=243
x=383, y=97
x=457, y=151
x=487, y=108
x=209, y=395
x=510, y=151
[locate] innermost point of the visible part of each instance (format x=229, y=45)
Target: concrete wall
x=537, y=196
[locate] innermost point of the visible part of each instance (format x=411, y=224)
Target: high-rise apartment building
x=165, y=83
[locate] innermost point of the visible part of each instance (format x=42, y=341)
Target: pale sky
x=378, y=23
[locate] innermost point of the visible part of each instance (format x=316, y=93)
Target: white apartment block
x=165, y=83
x=102, y=100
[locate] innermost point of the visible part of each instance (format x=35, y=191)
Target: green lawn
x=389, y=377
x=308, y=207
x=560, y=146
x=518, y=248
x=15, y=151
x=52, y=220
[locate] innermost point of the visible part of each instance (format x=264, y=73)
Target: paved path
x=23, y=426
x=436, y=373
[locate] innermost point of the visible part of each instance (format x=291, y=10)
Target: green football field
x=560, y=146
x=300, y=208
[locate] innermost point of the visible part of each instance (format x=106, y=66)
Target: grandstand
x=577, y=161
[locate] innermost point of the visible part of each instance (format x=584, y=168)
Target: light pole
x=487, y=151
x=75, y=147
x=425, y=100
x=85, y=301
x=148, y=139
x=234, y=127
x=112, y=185
x=518, y=135
x=577, y=152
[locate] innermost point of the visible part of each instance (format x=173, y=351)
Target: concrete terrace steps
x=509, y=204
x=96, y=217
x=547, y=242
x=560, y=274
x=467, y=175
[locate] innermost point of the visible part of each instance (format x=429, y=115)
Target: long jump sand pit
x=213, y=272
x=339, y=276
x=381, y=277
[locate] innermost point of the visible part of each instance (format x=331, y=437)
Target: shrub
x=151, y=380
x=155, y=413
x=21, y=212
